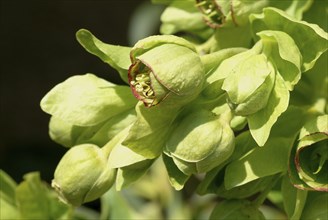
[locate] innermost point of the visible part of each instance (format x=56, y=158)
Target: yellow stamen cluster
x=141, y=83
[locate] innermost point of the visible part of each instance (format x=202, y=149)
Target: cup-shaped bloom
x=165, y=68
x=83, y=174
x=308, y=164
x=200, y=142
x=249, y=85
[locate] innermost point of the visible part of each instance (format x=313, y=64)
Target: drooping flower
x=200, y=142
x=83, y=174
x=165, y=69
x=308, y=164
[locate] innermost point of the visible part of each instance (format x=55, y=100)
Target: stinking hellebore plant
x=231, y=97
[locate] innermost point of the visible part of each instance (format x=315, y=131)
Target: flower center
x=141, y=83
x=212, y=12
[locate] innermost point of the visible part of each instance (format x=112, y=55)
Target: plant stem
x=213, y=60
x=299, y=205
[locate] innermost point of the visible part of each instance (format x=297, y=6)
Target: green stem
x=299, y=205
x=107, y=148
x=213, y=60
x=206, y=47
x=262, y=197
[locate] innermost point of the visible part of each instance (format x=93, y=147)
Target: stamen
x=141, y=83
x=212, y=12
x=202, y=3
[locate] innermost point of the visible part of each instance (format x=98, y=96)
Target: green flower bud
x=249, y=92
x=217, y=13
x=200, y=142
x=308, y=164
x=165, y=68
x=83, y=174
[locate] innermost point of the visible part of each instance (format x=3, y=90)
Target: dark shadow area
x=38, y=51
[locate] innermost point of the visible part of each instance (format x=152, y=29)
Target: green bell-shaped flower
x=249, y=84
x=308, y=164
x=83, y=174
x=200, y=142
x=165, y=69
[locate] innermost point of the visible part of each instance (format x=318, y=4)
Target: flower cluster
x=221, y=99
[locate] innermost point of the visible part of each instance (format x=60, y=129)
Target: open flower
x=308, y=164
x=83, y=174
x=165, y=68
x=200, y=142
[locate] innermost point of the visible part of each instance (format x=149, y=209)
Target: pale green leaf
x=116, y=56
x=309, y=38
x=148, y=134
x=176, y=177
x=64, y=133
x=263, y=161
x=284, y=54
x=313, y=86
x=70, y=135
x=261, y=122
x=87, y=100
x=317, y=125
x=122, y=156
x=8, y=187
x=9, y=209
x=36, y=201
x=244, y=191
x=127, y=175
x=102, y=133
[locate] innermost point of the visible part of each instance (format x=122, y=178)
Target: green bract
x=309, y=159
x=83, y=174
x=200, y=142
x=165, y=69
x=129, y=168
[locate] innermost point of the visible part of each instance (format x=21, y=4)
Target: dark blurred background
x=38, y=51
